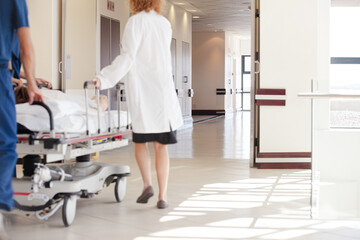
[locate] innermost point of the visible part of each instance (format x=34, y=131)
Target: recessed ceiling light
x=179, y=3
x=196, y=17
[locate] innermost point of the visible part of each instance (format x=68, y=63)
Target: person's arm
x=42, y=81
x=27, y=56
x=38, y=80
x=17, y=81
x=22, y=75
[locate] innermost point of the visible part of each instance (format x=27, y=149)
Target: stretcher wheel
x=120, y=189
x=69, y=210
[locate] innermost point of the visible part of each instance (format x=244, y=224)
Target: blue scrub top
x=13, y=15
x=15, y=56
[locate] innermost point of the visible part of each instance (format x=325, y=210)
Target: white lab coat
x=146, y=58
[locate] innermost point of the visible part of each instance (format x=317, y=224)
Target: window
x=345, y=66
x=245, y=83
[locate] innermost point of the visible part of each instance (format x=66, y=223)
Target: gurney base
x=88, y=180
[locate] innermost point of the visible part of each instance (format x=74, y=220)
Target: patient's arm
x=38, y=80
x=42, y=81
x=103, y=102
x=17, y=81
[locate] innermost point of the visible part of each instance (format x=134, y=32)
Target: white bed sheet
x=69, y=114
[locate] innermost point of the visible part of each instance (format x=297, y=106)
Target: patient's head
x=147, y=5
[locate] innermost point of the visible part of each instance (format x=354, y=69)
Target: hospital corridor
x=212, y=195
x=179, y=119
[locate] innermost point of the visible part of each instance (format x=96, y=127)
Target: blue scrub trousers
x=8, y=139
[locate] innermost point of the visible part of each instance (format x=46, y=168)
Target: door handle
x=257, y=67
x=60, y=67
x=191, y=93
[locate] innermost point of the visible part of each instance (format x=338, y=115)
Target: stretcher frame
x=43, y=194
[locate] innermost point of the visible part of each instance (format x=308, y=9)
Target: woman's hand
x=97, y=82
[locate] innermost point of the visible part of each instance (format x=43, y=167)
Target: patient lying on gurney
x=22, y=96
x=69, y=113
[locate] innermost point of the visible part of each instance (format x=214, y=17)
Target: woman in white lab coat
x=153, y=105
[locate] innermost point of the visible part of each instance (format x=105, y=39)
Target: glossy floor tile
x=213, y=194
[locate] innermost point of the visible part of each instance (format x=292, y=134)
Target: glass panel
x=335, y=162
x=238, y=100
x=345, y=114
x=247, y=64
x=345, y=78
x=246, y=102
x=246, y=82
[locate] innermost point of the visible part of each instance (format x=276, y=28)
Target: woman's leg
x=162, y=168
x=143, y=159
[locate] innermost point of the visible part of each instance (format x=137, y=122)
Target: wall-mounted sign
x=110, y=5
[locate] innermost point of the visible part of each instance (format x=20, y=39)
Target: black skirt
x=163, y=138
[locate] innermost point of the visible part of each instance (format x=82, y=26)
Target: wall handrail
x=328, y=95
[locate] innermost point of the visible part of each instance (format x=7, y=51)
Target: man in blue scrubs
x=15, y=57
x=13, y=17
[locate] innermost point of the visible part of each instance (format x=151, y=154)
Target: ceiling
x=219, y=15
x=229, y=15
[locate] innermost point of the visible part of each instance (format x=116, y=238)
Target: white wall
x=45, y=26
x=208, y=69
x=83, y=36
x=245, y=46
x=288, y=52
x=181, y=23
x=236, y=46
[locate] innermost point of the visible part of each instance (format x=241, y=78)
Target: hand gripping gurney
x=46, y=188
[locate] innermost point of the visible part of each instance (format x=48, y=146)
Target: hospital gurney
x=46, y=188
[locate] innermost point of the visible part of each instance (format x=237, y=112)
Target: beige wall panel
x=45, y=25
x=81, y=41
x=208, y=69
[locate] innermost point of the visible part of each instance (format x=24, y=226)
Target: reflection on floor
x=204, y=118
x=213, y=195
